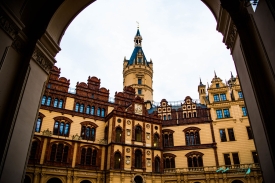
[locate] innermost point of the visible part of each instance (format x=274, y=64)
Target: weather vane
x=137, y=24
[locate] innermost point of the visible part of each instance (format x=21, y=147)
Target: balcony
x=242, y=168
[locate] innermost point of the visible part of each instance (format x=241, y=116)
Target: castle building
x=83, y=137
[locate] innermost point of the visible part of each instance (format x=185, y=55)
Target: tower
x=138, y=71
x=202, y=93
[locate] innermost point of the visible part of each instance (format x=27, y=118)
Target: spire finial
x=137, y=24
x=215, y=74
x=231, y=74
x=200, y=81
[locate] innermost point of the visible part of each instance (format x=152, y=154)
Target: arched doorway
x=138, y=179
x=85, y=181
x=237, y=181
x=27, y=179
x=54, y=180
x=15, y=70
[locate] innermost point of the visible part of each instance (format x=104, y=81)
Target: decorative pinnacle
x=137, y=24
x=215, y=74
x=200, y=82
x=231, y=74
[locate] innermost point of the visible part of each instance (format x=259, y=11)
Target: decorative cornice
x=201, y=146
x=8, y=26
x=42, y=60
x=232, y=36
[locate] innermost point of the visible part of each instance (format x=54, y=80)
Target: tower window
x=139, y=60
x=244, y=111
x=249, y=132
x=139, y=91
x=139, y=81
x=217, y=85
x=240, y=94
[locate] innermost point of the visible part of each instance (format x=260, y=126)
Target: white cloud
x=180, y=37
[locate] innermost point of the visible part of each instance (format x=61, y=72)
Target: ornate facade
x=82, y=137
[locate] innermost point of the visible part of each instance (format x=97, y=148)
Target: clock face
x=138, y=109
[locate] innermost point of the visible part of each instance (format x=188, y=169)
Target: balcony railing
x=242, y=168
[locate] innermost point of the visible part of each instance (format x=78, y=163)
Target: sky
x=180, y=38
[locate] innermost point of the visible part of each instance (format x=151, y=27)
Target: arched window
x=103, y=112
x=81, y=108
x=38, y=125
x=27, y=179
x=55, y=103
x=192, y=136
x=49, y=101
x=169, y=117
x=44, y=98
x=88, y=132
x=166, y=141
x=138, y=134
x=169, y=160
x=76, y=107
x=59, y=153
x=117, y=160
x=164, y=117
x=60, y=105
x=93, y=110
x=168, y=138
x=156, y=140
x=61, y=128
x=194, y=159
x=138, y=159
x=157, y=164
x=118, y=134
x=33, y=153
x=54, y=180
x=88, y=109
x=98, y=111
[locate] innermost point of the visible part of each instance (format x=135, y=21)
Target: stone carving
x=232, y=35
x=8, y=26
x=18, y=44
x=41, y=59
x=47, y=132
x=76, y=137
x=127, y=150
x=102, y=141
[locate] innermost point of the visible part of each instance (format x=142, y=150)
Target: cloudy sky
x=179, y=37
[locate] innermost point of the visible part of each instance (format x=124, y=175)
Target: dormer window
x=139, y=60
x=139, y=81
x=217, y=85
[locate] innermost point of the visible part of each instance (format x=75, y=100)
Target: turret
x=202, y=92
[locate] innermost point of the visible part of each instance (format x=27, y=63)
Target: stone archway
x=30, y=35
x=54, y=180
x=27, y=179
x=138, y=179
x=85, y=181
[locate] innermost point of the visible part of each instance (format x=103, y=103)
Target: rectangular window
x=236, y=158
x=139, y=81
x=249, y=132
x=139, y=91
x=223, y=135
x=139, y=60
x=240, y=94
x=223, y=96
x=216, y=98
x=226, y=113
x=227, y=160
x=244, y=111
x=255, y=157
x=231, y=134
x=219, y=114
x=217, y=85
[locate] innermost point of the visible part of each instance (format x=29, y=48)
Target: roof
x=138, y=33
x=134, y=56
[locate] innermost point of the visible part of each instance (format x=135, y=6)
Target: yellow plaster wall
x=69, y=103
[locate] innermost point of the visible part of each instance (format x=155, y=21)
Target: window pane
x=55, y=102
x=38, y=125
x=139, y=91
x=49, y=101
x=255, y=157
x=55, y=130
x=59, y=152
x=192, y=138
x=249, y=132
x=83, y=155
x=60, y=105
x=236, y=158
x=88, y=109
x=67, y=127
x=216, y=98
x=240, y=94
x=65, y=154
x=138, y=158
x=173, y=163
x=98, y=111
x=81, y=108
x=43, y=100
x=61, y=128
x=89, y=156
x=200, y=161
x=53, y=152
x=187, y=139
x=33, y=150
x=76, y=107
x=197, y=138
x=190, y=162
x=118, y=135
x=219, y=114
x=244, y=111
x=139, y=81
x=88, y=133
x=226, y=113
x=164, y=117
x=93, y=110
x=117, y=160
x=231, y=134
x=223, y=96
x=94, y=158
x=223, y=135
x=171, y=141
x=227, y=160
x=93, y=134
x=103, y=113
x=217, y=85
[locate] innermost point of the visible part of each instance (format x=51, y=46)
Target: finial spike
x=215, y=74
x=137, y=24
x=200, y=81
x=231, y=74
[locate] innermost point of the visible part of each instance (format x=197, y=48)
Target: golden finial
x=137, y=24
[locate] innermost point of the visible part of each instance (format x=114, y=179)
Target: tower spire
x=215, y=74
